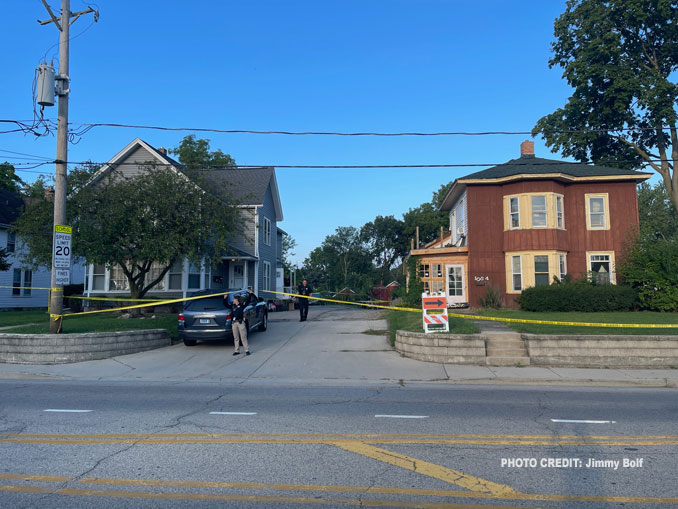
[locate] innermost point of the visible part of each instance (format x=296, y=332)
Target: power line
x=333, y=166
x=85, y=127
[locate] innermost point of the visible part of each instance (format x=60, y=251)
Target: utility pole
x=62, y=90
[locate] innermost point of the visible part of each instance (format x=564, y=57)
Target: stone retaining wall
x=603, y=351
x=442, y=348
x=65, y=348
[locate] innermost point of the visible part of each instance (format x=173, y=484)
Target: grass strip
x=413, y=322
x=104, y=323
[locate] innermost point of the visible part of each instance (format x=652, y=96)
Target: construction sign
x=435, y=313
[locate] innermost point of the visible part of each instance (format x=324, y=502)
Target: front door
x=237, y=279
x=456, y=287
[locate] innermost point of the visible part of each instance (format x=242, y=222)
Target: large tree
x=385, y=242
x=620, y=56
x=9, y=180
x=658, y=218
x=342, y=260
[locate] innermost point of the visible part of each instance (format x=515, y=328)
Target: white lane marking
x=66, y=410
x=233, y=413
x=578, y=421
x=403, y=416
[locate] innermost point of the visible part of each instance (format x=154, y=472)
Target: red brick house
x=524, y=222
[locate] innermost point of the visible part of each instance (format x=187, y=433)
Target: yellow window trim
x=527, y=267
x=606, y=203
x=525, y=211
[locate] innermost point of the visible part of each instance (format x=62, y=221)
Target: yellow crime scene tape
x=497, y=319
x=157, y=302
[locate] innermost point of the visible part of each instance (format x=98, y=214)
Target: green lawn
x=640, y=317
x=103, y=322
x=410, y=321
x=8, y=318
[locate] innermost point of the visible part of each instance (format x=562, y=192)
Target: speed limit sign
x=62, y=247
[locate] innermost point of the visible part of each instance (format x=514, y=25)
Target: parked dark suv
x=209, y=319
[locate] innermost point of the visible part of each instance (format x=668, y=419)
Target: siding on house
x=41, y=278
x=245, y=241
x=267, y=252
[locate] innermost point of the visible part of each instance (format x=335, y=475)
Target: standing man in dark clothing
x=305, y=291
x=238, y=325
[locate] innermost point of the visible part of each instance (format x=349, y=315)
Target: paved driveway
x=330, y=346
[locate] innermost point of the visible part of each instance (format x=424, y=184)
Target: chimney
x=527, y=149
x=163, y=150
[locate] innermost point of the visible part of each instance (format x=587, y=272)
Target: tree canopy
x=195, y=154
x=620, y=56
x=9, y=180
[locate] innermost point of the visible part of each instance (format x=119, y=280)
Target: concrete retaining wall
x=602, y=351
x=442, y=348
x=65, y=348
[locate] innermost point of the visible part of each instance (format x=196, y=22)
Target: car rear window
x=207, y=304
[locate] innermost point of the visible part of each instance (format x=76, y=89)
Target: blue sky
x=322, y=65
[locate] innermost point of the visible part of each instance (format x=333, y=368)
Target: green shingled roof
x=527, y=165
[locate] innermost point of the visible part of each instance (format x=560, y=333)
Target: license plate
x=204, y=320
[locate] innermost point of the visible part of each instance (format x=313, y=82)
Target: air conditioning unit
x=461, y=230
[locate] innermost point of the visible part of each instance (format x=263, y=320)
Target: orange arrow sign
x=430, y=303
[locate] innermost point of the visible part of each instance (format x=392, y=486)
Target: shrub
x=579, y=296
x=412, y=296
x=492, y=298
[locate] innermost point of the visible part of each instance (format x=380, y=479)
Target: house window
x=16, y=282
x=600, y=268
x=28, y=281
x=193, y=276
x=117, y=279
x=208, y=277
x=516, y=269
x=541, y=270
x=423, y=271
x=437, y=286
x=175, y=274
x=267, y=231
x=11, y=242
x=98, y=277
x=515, y=213
x=597, y=212
x=153, y=274
x=560, y=218
x=436, y=270
x=562, y=266
x=427, y=287
x=267, y=276
x=538, y=211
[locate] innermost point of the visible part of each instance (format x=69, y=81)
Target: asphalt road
x=220, y=445
x=315, y=416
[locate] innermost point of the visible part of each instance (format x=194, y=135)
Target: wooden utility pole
x=62, y=90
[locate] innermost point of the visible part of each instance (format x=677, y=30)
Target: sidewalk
x=331, y=348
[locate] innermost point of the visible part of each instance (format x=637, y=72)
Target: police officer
x=306, y=292
x=238, y=325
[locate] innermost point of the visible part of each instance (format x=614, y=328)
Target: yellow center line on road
x=241, y=498
x=445, y=474
x=532, y=497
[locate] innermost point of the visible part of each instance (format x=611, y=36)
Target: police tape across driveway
x=151, y=302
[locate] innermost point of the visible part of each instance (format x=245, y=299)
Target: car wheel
x=190, y=342
x=264, y=323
